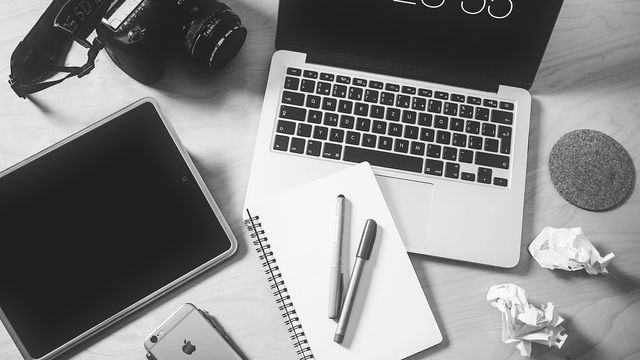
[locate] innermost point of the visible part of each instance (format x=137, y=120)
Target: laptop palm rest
x=410, y=204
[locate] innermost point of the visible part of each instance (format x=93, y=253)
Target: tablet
x=99, y=225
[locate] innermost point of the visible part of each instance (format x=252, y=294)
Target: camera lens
x=153, y=339
x=212, y=32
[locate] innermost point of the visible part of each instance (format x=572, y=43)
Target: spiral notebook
x=293, y=236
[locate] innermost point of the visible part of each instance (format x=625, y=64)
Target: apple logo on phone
x=188, y=348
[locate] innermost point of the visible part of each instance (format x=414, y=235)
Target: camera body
x=137, y=33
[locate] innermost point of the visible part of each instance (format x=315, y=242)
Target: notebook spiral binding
x=274, y=277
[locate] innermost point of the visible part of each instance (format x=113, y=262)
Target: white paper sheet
x=522, y=322
x=568, y=249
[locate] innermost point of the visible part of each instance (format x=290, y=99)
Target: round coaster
x=591, y=170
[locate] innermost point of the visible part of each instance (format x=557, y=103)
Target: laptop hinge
x=402, y=70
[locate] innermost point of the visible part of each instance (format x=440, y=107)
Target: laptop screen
x=503, y=40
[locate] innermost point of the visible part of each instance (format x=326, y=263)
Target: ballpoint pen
x=364, y=252
x=335, y=271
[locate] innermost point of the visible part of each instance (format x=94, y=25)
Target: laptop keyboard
x=421, y=131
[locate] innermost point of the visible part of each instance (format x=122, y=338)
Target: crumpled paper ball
x=522, y=322
x=568, y=249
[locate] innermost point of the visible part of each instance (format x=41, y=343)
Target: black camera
x=137, y=33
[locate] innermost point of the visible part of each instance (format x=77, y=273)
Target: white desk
x=589, y=78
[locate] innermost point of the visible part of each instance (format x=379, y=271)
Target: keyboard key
x=313, y=101
x=339, y=91
x=459, y=140
x=500, y=181
x=385, y=143
x=425, y=119
x=353, y=138
x=376, y=111
x=502, y=117
x=504, y=133
x=395, y=130
x=336, y=135
x=490, y=103
x=387, y=98
x=324, y=88
x=371, y=96
x=484, y=175
x=345, y=106
x=292, y=112
x=401, y=145
x=330, y=119
x=347, y=121
x=411, y=132
x=392, y=87
x=473, y=127
x=427, y=135
x=465, y=156
x=327, y=77
x=457, y=97
x=433, y=167
x=379, y=127
x=308, y=86
x=343, y=79
x=292, y=98
x=359, y=82
x=475, y=142
x=442, y=95
x=363, y=124
x=403, y=101
x=297, y=146
x=313, y=147
x=304, y=130
x=329, y=104
x=281, y=143
x=457, y=124
x=418, y=103
x=473, y=100
x=442, y=122
x=332, y=151
x=468, y=176
x=450, y=109
x=492, y=160
x=383, y=159
x=369, y=140
x=452, y=170
x=375, y=84
x=409, y=90
x=450, y=153
x=355, y=93
x=320, y=132
x=434, y=151
x=425, y=92
x=506, y=106
x=491, y=145
x=482, y=114
x=466, y=111
x=315, y=116
x=393, y=114
x=488, y=129
x=294, y=71
x=417, y=148
x=435, y=106
x=311, y=74
x=409, y=116
x=443, y=137
x=291, y=83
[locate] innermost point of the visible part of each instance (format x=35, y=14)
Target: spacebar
x=384, y=159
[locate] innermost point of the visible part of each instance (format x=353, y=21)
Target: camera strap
x=22, y=90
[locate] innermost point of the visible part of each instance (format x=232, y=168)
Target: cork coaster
x=591, y=170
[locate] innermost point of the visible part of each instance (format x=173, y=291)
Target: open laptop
x=432, y=93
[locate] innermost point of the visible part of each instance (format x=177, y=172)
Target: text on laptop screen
x=503, y=40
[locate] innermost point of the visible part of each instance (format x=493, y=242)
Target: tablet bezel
x=170, y=286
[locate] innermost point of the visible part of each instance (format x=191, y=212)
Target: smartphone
x=190, y=334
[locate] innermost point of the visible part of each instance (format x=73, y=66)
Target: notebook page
x=391, y=318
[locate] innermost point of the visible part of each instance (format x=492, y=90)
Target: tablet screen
x=98, y=224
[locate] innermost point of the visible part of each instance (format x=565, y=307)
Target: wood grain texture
x=589, y=78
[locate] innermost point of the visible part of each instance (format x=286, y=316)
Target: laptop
x=432, y=93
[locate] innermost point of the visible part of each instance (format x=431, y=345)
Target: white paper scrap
x=523, y=323
x=568, y=249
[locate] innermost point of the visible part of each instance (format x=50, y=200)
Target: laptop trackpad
x=410, y=205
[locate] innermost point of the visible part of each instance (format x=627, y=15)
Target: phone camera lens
x=154, y=339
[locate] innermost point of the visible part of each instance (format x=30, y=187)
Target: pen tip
x=341, y=196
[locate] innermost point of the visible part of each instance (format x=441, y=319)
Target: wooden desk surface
x=589, y=78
